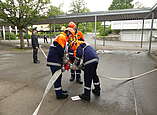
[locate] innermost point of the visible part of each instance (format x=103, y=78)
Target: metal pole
x=104, y=38
x=95, y=30
x=150, y=42
x=3, y=32
x=142, y=33
x=16, y=30
x=50, y=33
x=10, y=29
x=54, y=29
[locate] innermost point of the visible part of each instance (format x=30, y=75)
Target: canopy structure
x=113, y=15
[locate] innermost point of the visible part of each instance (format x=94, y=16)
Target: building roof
x=112, y=15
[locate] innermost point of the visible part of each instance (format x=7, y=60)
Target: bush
x=27, y=36
x=106, y=32
x=10, y=36
x=48, y=34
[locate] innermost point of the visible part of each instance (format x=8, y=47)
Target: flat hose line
x=57, y=73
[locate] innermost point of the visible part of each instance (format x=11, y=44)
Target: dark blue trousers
x=90, y=75
x=57, y=83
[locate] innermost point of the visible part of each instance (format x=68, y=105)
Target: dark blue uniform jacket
x=87, y=54
x=56, y=54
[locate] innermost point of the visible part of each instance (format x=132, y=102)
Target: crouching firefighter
x=90, y=60
x=55, y=59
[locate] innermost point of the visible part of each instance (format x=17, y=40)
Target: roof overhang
x=113, y=15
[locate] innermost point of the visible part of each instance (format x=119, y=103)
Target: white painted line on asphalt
x=135, y=100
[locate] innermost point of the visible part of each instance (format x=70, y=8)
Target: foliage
x=10, y=36
x=54, y=11
x=48, y=34
x=27, y=36
x=78, y=6
x=121, y=4
x=22, y=13
x=106, y=32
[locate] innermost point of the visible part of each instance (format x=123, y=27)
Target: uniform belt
x=55, y=64
x=91, y=61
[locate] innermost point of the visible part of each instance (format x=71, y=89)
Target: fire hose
x=67, y=67
x=50, y=83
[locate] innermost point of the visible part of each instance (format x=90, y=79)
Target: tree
x=78, y=6
x=54, y=11
x=22, y=13
x=121, y=4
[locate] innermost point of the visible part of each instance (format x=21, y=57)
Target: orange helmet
x=72, y=25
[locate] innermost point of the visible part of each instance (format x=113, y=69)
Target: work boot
x=79, y=81
x=96, y=92
x=84, y=97
x=37, y=62
x=64, y=91
x=62, y=96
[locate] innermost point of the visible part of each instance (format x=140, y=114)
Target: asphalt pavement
x=22, y=84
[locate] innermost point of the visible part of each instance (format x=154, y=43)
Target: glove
x=74, y=67
x=81, y=66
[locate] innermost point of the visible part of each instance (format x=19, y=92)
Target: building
x=131, y=30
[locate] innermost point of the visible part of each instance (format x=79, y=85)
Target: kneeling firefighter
x=90, y=60
x=55, y=59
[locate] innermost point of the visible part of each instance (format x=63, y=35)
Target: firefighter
x=55, y=59
x=90, y=60
x=74, y=72
x=78, y=36
x=35, y=46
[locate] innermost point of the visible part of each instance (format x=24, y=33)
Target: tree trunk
x=27, y=38
x=21, y=39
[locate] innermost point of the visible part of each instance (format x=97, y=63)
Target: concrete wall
x=132, y=24
x=135, y=35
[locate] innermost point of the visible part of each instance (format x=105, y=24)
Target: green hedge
x=48, y=34
x=106, y=32
x=27, y=36
x=10, y=36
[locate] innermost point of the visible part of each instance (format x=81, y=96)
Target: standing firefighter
x=74, y=73
x=78, y=36
x=55, y=59
x=35, y=46
x=90, y=61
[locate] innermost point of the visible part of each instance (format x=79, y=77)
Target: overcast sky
x=97, y=5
